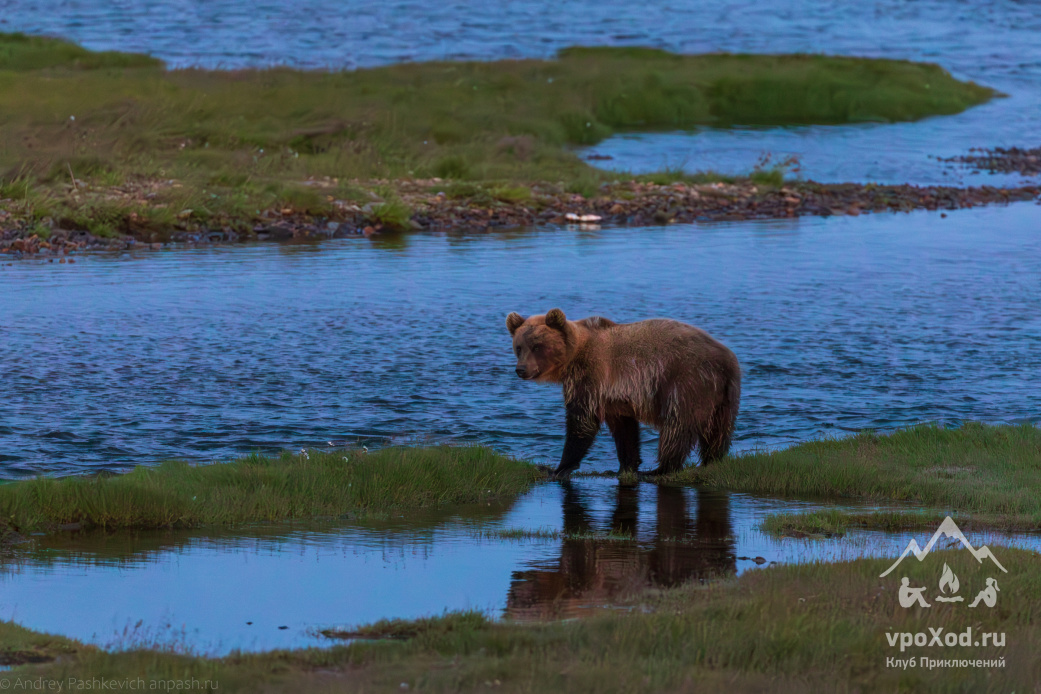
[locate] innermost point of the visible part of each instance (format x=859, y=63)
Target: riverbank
x=107, y=150
x=309, y=485
x=444, y=205
x=983, y=476
x=779, y=629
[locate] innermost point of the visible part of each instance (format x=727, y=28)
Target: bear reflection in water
x=590, y=572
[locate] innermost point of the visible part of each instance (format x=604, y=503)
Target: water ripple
x=841, y=324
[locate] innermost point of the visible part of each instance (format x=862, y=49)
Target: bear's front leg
x=582, y=428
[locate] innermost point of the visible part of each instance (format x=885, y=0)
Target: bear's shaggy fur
x=670, y=375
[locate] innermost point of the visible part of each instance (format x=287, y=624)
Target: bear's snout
x=522, y=371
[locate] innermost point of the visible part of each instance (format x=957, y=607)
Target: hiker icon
x=988, y=595
x=909, y=596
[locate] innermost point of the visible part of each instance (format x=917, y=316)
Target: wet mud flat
x=474, y=208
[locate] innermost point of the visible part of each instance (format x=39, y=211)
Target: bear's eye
x=536, y=348
x=516, y=350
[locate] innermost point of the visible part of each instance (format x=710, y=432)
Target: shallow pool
x=275, y=586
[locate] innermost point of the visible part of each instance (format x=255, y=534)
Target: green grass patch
x=549, y=534
x=769, y=177
x=667, y=176
x=19, y=646
x=836, y=522
x=511, y=194
x=509, y=123
x=257, y=488
x=780, y=629
x=22, y=52
x=393, y=214
x=518, y=534
x=988, y=473
x=403, y=629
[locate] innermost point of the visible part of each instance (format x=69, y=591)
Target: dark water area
x=840, y=324
x=275, y=586
x=991, y=42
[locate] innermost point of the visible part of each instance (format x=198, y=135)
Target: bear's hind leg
x=714, y=440
x=713, y=446
x=674, y=447
x=626, y=433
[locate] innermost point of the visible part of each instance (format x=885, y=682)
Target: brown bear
x=670, y=375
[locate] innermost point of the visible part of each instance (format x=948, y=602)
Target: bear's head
x=543, y=345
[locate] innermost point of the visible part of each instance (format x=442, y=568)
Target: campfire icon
x=949, y=583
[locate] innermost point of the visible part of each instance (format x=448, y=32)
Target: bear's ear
x=556, y=319
x=514, y=321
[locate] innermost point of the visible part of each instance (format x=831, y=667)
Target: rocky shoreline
x=1011, y=160
x=618, y=204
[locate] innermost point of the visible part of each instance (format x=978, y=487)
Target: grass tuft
x=22, y=52
x=394, y=215
x=988, y=472
x=836, y=522
x=404, y=629
x=518, y=534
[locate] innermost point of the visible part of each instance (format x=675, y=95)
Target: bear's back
x=660, y=339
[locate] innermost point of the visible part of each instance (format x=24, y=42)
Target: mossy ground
x=115, y=144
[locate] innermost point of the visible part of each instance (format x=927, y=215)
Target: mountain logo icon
x=947, y=529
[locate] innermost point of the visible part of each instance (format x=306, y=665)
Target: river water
x=840, y=324
x=993, y=42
